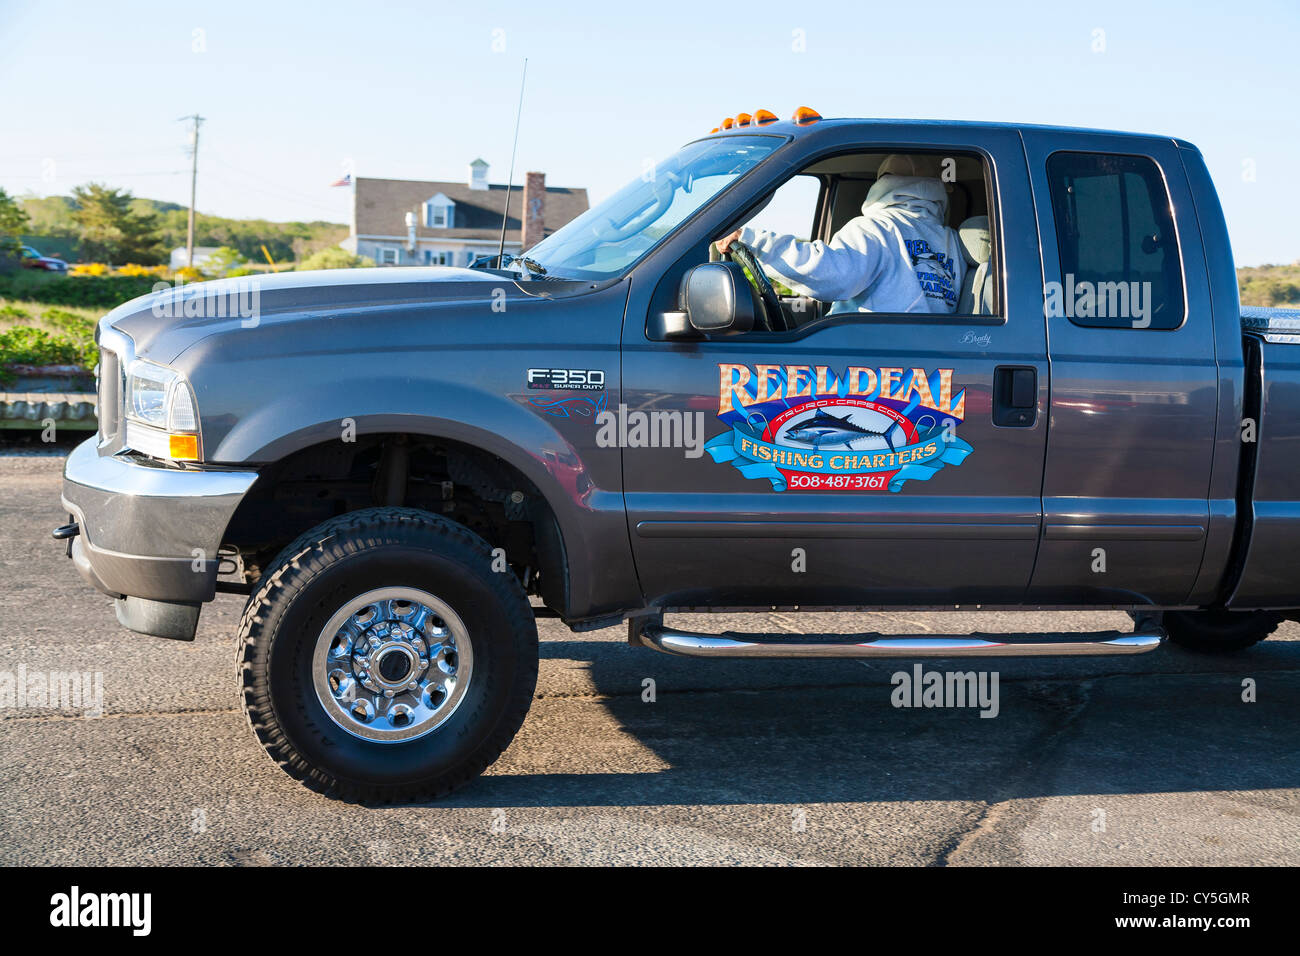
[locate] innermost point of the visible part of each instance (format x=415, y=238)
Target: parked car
x=32, y=259
x=402, y=469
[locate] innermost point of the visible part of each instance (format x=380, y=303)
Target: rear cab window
x=1120, y=266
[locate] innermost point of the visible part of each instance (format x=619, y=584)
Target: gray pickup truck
x=404, y=468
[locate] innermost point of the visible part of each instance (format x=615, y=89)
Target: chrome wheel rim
x=392, y=664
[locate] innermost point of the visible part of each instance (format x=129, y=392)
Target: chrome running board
x=653, y=633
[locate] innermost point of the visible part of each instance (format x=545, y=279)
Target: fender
x=590, y=519
x=438, y=370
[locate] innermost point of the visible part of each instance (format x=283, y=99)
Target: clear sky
x=297, y=93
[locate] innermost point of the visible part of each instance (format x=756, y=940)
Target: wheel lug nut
x=388, y=693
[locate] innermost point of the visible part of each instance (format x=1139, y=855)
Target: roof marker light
x=728, y=123
x=763, y=117
x=806, y=116
x=743, y=119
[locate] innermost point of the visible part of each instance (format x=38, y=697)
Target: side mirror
x=717, y=297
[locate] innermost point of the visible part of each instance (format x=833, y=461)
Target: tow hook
x=66, y=532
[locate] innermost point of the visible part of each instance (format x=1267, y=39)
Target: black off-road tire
x=1219, y=632
x=337, y=561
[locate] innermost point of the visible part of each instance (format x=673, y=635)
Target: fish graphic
x=825, y=429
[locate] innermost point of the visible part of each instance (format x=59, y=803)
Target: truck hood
x=165, y=322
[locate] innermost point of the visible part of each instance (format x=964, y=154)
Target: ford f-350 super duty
x=403, y=467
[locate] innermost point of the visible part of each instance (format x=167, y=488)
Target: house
x=201, y=255
x=402, y=222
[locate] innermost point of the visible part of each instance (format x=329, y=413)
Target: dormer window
x=439, y=212
x=478, y=173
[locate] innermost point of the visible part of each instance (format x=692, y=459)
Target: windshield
x=608, y=238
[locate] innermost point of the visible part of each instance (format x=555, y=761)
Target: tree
x=335, y=258
x=50, y=216
x=222, y=261
x=110, y=230
x=13, y=223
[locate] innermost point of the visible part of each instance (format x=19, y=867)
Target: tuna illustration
x=825, y=429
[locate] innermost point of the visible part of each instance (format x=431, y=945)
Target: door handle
x=1015, y=396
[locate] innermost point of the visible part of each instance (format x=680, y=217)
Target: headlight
x=161, y=419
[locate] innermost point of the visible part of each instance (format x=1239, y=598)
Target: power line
x=273, y=194
x=280, y=191
x=106, y=175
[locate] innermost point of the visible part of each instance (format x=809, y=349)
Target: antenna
x=501, y=250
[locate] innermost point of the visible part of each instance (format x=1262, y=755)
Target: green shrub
x=222, y=262
x=23, y=345
x=68, y=321
x=104, y=292
x=334, y=258
x=13, y=312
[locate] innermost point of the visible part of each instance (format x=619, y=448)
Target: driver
x=898, y=256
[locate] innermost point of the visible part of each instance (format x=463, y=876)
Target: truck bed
x=1270, y=476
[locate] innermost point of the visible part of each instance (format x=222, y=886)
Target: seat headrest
x=975, y=241
x=906, y=164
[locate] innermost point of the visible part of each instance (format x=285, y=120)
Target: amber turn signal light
x=183, y=447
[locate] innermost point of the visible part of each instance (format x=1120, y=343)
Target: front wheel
x=382, y=657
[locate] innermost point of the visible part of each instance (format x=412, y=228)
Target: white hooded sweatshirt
x=897, y=256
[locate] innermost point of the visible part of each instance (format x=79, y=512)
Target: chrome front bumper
x=147, y=530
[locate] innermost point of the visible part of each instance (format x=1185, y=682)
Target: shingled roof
x=382, y=205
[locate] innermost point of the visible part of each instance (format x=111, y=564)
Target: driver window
x=792, y=209
x=914, y=230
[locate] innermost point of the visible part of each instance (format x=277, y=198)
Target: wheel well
x=470, y=486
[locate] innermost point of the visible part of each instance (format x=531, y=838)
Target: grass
x=1270, y=285
x=32, y=333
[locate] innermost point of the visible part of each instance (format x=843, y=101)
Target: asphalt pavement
x=1163, y=758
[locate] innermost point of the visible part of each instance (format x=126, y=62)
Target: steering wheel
x=773, y=314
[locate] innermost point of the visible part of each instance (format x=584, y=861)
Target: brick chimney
x=534, y=215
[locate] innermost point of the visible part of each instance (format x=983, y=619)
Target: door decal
x=806, y=428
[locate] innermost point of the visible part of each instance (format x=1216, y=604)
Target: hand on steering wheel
x=773, y=314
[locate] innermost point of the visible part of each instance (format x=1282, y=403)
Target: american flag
x=345, y=181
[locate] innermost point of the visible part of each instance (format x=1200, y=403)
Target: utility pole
x=194, y=182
